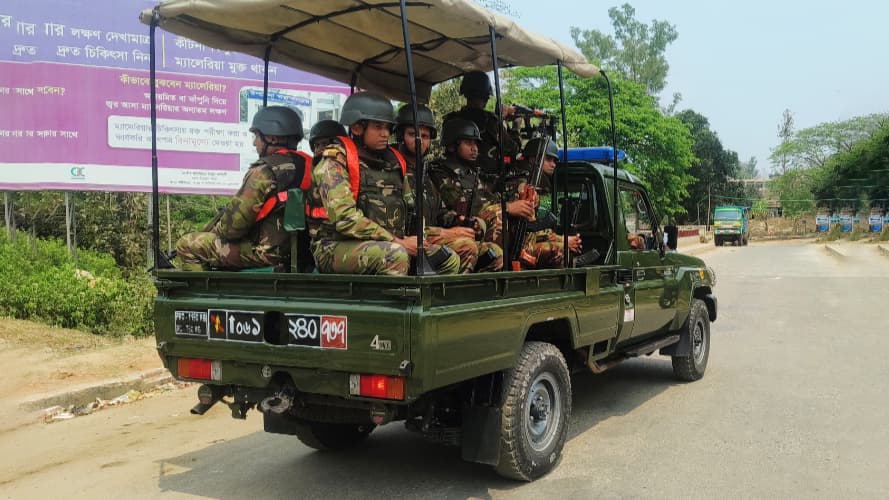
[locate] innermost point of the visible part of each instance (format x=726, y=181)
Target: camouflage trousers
x=478, y=257
x=376, y=257
x=545, y=248
x=203, y=251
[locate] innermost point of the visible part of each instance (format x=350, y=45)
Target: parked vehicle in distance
x=730, y=224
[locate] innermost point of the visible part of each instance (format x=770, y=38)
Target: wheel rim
x=699, y=342
x=543, y=411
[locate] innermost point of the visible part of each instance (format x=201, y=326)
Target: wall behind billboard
x=74, y=101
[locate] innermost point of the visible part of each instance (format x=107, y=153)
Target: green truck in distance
x=730, y=224
x=481, y=361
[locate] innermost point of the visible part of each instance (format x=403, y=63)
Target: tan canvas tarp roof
x=360, y=42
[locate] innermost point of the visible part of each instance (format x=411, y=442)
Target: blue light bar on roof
x=602, y=154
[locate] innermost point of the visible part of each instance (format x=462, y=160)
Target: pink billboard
x=74, y=102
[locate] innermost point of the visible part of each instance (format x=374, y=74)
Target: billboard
x=74, y=95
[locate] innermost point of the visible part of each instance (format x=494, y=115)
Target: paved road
x=795, y=404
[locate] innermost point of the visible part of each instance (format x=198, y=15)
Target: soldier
x=466, y=192
x=248, y=232
x=323, y=133
x=460, y=239
x=543, y=247
x=476, y=88
x=362, y=187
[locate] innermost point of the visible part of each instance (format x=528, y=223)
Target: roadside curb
x=109, y=389
x=883, y=249
x=834, y=251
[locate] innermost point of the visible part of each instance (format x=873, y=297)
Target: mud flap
x=480, y=440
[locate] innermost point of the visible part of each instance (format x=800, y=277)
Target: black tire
x=536, y=409
x=716, y=241
x=691, y=367
x=325, y=436
x=745, y=240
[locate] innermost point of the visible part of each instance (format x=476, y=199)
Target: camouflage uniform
x=236, y=240
x=468, y=249
x=453, y=181
x=490, y=129
x=357, y=236
x=545, y=245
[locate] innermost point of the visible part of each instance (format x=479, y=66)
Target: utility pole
x=708, y=206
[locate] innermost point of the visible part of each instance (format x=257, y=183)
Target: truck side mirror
x=671, y=237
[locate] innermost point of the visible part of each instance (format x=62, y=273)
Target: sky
x=741, y=63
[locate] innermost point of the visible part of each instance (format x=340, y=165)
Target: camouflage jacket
x=377, y=211
x=265, y=178
x=490, y=129
x=454, y=180
x=432, y=206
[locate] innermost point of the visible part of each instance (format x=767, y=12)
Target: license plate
x=238, y=326
x=320, y=331
x=190, y=323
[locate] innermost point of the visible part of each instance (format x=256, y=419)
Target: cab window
x=637, y=219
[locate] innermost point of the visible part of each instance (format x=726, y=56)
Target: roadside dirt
x=38, y=359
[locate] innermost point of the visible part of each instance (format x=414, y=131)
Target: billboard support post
x=68, y=222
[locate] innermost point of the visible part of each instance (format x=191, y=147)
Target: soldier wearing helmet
x=543, y=247
x=362, y=188
x=468, y=196
x=248, y=231
x=323, y=133
x=476, y=88
x=460, y=239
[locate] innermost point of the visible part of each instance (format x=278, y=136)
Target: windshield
x=731, y=214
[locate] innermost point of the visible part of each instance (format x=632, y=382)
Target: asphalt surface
x=793, y=405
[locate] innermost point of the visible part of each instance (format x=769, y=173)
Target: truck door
x=639, y=251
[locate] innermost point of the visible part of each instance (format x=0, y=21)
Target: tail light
x=376, y=386
x=199, y=369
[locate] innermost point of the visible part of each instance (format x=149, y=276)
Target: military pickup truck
x=481, y=361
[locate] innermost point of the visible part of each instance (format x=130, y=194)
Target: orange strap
x=352, y=164
x=400, y=158
x=270, y=205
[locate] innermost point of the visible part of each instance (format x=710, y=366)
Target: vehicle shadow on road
x=392, y=463
x=617, y=391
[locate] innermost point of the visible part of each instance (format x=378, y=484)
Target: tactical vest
x=464, y=175
x=377, y=185
x=290, y=169
x=431, y=199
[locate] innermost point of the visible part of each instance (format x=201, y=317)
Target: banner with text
x=74, y=102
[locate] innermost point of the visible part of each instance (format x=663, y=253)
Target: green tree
x=747, y=169
x=714, y=169
x=659, y=147
x=635, y=52
x=862, y=170
x=780, y=156
x=812, y=147
x=794, y=189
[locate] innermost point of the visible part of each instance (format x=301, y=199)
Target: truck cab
x=730, y=224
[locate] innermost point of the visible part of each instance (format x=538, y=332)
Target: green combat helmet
x=278, y=121
x=367, y=106
x=533, y=147
x=476, y=85
x=458, y=128
x=405, y=119
x=325, y=128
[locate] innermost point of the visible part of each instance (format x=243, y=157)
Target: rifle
x=517, y=253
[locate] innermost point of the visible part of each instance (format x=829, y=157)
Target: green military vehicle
x=481, y=361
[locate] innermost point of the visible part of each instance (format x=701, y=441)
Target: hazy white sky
x=740, y=63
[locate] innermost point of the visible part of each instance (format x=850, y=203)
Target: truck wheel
x=326, y=436
x=717, y=241
x=536, y=408
x=697, y=330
